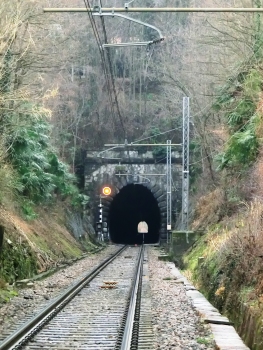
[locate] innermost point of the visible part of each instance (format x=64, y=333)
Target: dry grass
x=219, y=240
x=209, y=209
x=257, y=176
x=260, y=113
x=240, y=248
x=2, y=283
x=8, y=184
x=221, y=133
x=236, y=240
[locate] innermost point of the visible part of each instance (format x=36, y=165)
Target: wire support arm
x=113, y=14
x=139, y=43
x=154, y=9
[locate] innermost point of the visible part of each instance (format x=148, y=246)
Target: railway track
x=107, y=309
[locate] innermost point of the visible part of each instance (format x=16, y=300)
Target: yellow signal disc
x=106, y=191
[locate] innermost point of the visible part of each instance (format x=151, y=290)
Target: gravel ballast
x=176, y=325
x=37, y=294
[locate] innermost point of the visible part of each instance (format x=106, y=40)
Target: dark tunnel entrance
x=133, y=204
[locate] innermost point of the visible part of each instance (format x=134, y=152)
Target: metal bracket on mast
x=141, y=43
x=97, y=6
x=126, y=5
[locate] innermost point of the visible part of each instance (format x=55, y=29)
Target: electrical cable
x=224, y=143
x=97, y=37
x=99, y=43
x=112, y=78
x=160, y=133
x=114, y=88
x=146, y=138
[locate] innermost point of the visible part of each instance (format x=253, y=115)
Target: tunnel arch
x=132, y=204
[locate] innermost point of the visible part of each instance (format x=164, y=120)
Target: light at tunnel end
x=132, y=205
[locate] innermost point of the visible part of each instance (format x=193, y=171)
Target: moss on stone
x=17, y=261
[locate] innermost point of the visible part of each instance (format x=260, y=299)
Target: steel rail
x=154, y=9
x=31, y=327
x=128, y=331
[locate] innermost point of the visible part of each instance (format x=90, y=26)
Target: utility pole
x=169, y=188
x=185, y=170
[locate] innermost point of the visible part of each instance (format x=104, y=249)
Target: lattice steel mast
x=185, y=170
x=169, y=188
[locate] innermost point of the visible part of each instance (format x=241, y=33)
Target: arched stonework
x=121, y=170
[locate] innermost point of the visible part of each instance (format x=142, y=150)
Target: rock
x=30, y=284
x=179, y=280
x=28, y=296
x=22, y=282
x=163, y=257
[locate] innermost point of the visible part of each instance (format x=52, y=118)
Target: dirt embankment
x=226, y=264
x=31, y=247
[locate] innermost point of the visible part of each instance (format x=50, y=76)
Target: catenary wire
x=97, y=37
x=111, y=75
x=138, y=140
x=224, y=143
x=114, y=88
x=99, y=43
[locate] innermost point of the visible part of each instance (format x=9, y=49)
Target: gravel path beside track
x=32, y=299
x=176, y=325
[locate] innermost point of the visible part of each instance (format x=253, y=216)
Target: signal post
x=102, y=226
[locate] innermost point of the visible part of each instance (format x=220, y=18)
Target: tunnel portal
x=133, y=204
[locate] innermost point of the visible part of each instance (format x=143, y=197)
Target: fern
x=40, y=171
x=241, y=149
x=234, y=119
x=242, y=120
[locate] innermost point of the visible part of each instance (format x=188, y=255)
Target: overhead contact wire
x=113, y=86
x=99, y=43
x=111, y=75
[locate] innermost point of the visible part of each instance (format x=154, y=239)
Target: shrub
x=239, y=101
x=41, y=173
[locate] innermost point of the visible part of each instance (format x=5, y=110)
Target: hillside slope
x=30, y=247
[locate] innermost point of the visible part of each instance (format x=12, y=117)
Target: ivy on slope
x=42, y=175
x=238, y=102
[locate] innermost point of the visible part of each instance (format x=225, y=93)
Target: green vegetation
x=204, y=340
x=41, y=175
x=7, y=292
x=17, y=261
x=238, y=101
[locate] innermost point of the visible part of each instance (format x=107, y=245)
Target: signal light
x=106, y=191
